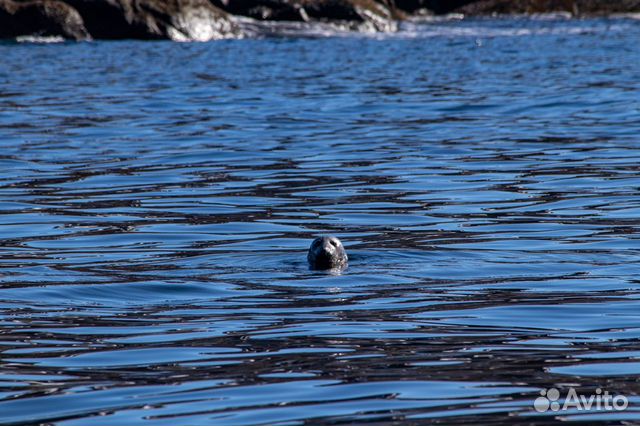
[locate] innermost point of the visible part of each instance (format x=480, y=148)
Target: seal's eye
x=333, y=243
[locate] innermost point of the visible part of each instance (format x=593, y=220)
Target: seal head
x=327, y=253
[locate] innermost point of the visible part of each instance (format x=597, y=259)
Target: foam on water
x=40, y=39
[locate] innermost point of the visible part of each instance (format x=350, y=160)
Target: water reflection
x=156, y=220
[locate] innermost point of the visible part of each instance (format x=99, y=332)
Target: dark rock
x=357, y=14
x=575, y=7
x=187, y=19
x=40, y=18
x=596, y=7
x=517, y=6
x=209, y=19
x=345, y=10
x=364, y=13
x=272, y=10
x=112, y=19
x=155, y=19
x=438, y=7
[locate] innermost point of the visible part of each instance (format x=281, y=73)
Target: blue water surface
x=157, y=200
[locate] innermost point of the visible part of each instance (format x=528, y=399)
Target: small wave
x=452, y=25
x=422, y=18
x=635, y=16
x=485, y=28
x=258, y=29
x=201, y=25
x=197, y=29
x=40, y=39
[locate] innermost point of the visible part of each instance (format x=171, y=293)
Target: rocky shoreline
x=203, y=20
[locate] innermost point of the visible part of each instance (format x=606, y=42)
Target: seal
x=327, y=253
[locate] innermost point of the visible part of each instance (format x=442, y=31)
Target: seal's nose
x=327, y=246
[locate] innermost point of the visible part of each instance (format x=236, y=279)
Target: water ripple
x=158, y=199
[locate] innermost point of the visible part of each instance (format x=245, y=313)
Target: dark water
x=157, y=200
